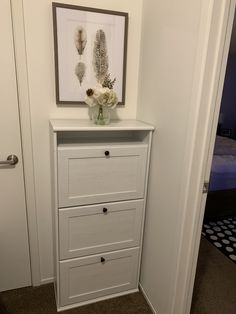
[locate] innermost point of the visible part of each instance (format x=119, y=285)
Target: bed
x=223, y=169
x=221, y=199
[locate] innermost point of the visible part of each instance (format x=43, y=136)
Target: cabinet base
x=115, y=295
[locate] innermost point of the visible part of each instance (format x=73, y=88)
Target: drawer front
x=88, y=278
x=88, y=175
x=99, y=228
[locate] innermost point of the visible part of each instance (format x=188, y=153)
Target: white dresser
x=99, y=179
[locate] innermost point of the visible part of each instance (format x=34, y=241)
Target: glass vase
x=101, y=115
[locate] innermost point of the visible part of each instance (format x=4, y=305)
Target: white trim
x=204, y=33
x=47, y=280
x=26, y=135
x=147, y=299
x=211, y=62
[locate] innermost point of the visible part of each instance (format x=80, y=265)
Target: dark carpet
x=214, y=292
x=215, y=282
x=40, y=300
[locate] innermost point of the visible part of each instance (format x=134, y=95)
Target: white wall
x=168, y=54
x=40, y=60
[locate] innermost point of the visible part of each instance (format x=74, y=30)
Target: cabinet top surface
x=88, y=125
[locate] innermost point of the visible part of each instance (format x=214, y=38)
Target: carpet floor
x=215, y=282
x=214, y=292
x=40, y=300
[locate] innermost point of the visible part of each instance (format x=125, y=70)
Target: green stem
x=100, y=113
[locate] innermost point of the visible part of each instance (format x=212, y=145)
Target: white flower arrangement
x=102, y=95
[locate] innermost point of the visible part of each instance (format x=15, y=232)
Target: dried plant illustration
x=100, y=57
x=80, y=70
x=80, y=38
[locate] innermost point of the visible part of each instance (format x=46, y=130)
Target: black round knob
x=107, y=153
x=104, y=210
x=103, y=260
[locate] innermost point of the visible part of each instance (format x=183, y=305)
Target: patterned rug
x=222, y=234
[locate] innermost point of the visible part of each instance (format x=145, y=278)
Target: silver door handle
x=11, y=160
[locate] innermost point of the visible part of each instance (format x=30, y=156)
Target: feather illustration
x=80, y=71
x=100, y=57
x=80, y=39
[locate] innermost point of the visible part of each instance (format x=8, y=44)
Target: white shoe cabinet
x=99, y=180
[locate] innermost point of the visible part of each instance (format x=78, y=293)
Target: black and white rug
x=222, y=234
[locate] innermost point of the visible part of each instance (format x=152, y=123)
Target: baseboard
x=47, y=280
x=147, y=299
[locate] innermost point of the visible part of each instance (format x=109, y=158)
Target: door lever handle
x=11, y=160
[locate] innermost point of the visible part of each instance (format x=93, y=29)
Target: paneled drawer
x=95, y=276
x=99, y=228
x=102, y=173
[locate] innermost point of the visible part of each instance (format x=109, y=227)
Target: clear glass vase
x=101, y=115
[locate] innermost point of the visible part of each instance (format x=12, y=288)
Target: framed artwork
x=90, y=46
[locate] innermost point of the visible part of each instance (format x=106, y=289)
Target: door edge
x=26, y=136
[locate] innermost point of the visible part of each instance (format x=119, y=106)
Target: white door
x=223, y=13
x=14, y=247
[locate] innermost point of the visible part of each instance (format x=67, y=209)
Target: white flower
x=90, y=101
x=113, y=100
x=102, y=96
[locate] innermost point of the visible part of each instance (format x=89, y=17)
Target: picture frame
x=89, y=44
